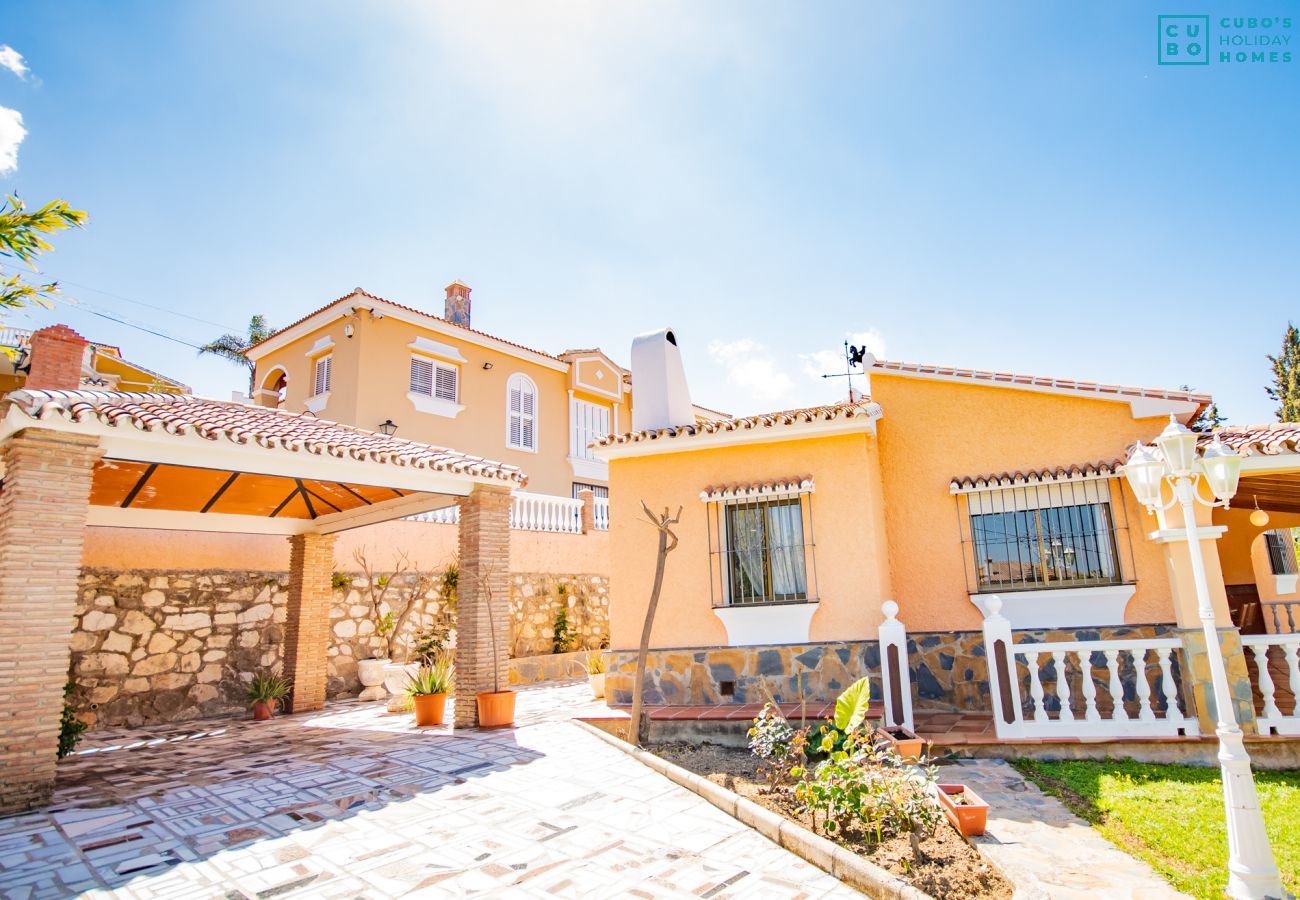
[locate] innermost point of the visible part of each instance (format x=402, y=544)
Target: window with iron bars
x=1034, y=537
x=761, y=550
x=1281, y=551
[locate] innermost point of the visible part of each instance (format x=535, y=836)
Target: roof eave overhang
x=344, y=306
x=192, y=449
x=1141, y=407
x=757, y=434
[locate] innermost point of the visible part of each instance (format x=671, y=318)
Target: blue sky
x=1002, y=185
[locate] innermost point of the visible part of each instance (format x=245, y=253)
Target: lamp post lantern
x=1252, y=872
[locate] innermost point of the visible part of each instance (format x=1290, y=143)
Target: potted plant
x=905, y=742
x=428, y=689
x=596, y=673
x=964, y=808
x=496, y=708
x=265, y=692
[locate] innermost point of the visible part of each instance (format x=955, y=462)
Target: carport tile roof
x=215, y=420
x=1255, y=440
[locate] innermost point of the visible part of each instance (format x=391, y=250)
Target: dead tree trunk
x=667, y=543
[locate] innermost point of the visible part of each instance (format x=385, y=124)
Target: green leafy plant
x=270, y=687
x=562, y=640
x=438, y=677
x=234, y=347
x=20, y=238
x=70, y=727
x=430, y=641
x=385, y=624
x=340, y=582
x=851, y=706
x=781, y=748
x=595, y=663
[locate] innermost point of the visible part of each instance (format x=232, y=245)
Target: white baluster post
x=895, y=677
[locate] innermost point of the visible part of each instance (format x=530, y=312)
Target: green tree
x=21, y=239
x=1209, y=419
x=1286, y=376
x=234, y=347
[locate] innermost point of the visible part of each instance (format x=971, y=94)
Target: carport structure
x=73, y=458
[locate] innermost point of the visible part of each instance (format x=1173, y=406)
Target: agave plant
x=436, y=678
x=595, y=663
x=268, y=686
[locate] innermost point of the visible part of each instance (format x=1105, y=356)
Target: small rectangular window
x=1281, y=551
x=761, y=549
x=324, y=371
x=433, y=380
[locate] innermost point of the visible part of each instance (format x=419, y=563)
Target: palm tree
x=235, y=348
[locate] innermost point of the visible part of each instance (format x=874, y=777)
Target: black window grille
x=761, y=550
x=1281, y=551
x=1063, y=534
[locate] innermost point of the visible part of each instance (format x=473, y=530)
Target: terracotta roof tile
x=798, y=484
x=1041, y=381
x=1259, y=440
x=764, y=420
x=215, y=420
x=410, y=309
x=1033, y=477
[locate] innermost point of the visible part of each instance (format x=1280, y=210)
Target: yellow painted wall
x=429, y=545
x=852, y=574
x=371, y=376
x=933, y=431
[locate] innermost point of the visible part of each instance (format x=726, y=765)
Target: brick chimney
x=456, y=310
x=56, y=356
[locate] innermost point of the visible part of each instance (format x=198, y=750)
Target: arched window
x=274, y=388
x=521, y=413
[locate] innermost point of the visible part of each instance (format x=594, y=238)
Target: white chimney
x=660, y=396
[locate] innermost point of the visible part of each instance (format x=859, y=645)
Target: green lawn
x=1172, y=816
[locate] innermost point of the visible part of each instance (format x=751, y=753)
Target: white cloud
x=752, y=368
x=12, y=133
x=12, y=60
x=831, y=362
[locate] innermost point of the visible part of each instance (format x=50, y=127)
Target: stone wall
x=948, y=669
x=158, y=647
x=536, y=600
x=716, y=675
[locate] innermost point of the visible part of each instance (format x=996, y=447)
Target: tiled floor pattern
x=353, y=802
x=1046, y=850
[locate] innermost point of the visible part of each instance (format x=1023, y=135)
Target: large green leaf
x=851, y=707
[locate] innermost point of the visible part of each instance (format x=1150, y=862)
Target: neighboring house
x=366, y=361
x=102, y=366
x=942, y=489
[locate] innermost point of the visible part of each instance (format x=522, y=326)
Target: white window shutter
x=445, y=389
x=322, y=381
x=421, y=377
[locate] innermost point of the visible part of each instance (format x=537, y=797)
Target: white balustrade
x=448, y=515
x=1050, y=681
x=1282, y=616
x=1277, y=659
x=601, y=512
x=545, y=512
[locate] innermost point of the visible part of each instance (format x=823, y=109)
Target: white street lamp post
x=1252, y=873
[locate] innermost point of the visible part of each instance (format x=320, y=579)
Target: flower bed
x=949, y=866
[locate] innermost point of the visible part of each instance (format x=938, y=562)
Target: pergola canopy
x=1270, y=470
x=183, y=462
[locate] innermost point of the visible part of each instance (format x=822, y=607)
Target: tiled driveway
x=353, y=802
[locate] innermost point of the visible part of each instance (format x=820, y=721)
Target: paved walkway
x=1046, y=850
x=353, y=802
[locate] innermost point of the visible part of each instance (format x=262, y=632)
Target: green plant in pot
x=428, y=689
x=596, y=673
x=266, y=691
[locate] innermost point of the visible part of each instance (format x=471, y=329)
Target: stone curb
x=826, y=855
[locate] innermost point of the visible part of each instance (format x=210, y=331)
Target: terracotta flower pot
x=597, y=680
x=496, y=710
x=429, y=708
x=906, y=743
x=263, y=709
x=964, y=808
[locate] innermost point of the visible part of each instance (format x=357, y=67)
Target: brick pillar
x=43, y=504
x=307, y=629
x=588, y=498
x=56, y=358
x=484, y=576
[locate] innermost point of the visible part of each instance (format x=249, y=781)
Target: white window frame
x=319, y=399
x=527, y=387
x=585, y=421
x=432, y=403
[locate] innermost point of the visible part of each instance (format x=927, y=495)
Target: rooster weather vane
x=853, y=356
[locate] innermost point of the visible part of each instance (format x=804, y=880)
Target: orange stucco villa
x=799, y=527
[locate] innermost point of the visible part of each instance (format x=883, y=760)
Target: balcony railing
x=534, y=512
